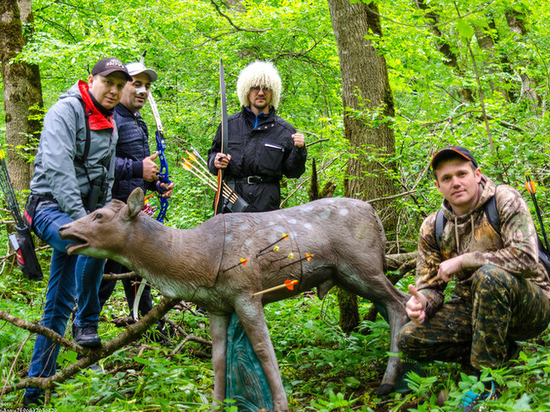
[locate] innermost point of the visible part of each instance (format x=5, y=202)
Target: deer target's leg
x=397, y=319
x=371, y=283
x=251, y=315
x=218, y=331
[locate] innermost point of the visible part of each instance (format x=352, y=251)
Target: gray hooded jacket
x=58, y=173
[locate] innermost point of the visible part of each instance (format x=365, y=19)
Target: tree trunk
x=365, y=89
x=22, y=92
x=486, y=40
x=349, y=310
x=516, y=23
x=451, y=59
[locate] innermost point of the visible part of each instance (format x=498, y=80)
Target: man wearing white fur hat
x=262, y=146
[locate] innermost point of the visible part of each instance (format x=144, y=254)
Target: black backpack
x=491, y=212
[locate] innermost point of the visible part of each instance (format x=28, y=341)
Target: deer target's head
x=104, y=232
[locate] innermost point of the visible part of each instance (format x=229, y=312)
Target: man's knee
x=406, y=340
x=490, y=277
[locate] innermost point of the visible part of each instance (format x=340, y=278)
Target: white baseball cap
x=137, y=68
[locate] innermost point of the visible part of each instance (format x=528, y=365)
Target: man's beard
x=260, y=107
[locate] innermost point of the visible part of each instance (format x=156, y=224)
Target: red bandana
x=97, y=120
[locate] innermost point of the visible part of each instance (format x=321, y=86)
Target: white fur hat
x=259, y=74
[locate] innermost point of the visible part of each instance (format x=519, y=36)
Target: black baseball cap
x=450, y=152
x=109, y=65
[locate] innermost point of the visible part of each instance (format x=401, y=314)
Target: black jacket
x=266, y=150
x=132, y=147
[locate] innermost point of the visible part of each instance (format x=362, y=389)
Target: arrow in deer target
x=265, y=249
x=289, y=256
x=289, y=284
x=242, y=262
x=307, y=257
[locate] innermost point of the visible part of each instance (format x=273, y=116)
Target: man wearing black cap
x=134, y=167
x=73, y=175
x=503, y=291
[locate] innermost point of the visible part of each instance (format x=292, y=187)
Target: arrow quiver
x=196, y=164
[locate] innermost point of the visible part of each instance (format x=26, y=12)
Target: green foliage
x=152, y=382
x=184, y=40
x=322, y=368
x=335, y=402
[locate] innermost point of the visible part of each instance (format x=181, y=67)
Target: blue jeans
x=73, y=279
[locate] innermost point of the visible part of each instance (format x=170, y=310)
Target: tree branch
x=317, y=141
x=132, y=333
x=302, y=183
x=48, y=333
x=403, y=263
x=233, y=24
x=118, y=276
x=384, y=198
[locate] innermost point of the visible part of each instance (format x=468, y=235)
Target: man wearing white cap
x=134, y=167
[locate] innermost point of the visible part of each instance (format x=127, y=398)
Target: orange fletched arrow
x=191, y=156
x=242, y=261
x=531, y=186
x=265, y=249
x=306, y=257
x=289, y=284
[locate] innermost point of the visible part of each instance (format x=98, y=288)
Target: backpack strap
x=491, y=212
x=440, y=222
x=82, y=160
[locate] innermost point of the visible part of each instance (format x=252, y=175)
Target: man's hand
x=166, y=190
x=150, y=168
x=299, y=139
x=449, y=267
x=416, y=306
x=221, y=161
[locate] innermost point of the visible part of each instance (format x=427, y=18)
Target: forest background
x=418, y=75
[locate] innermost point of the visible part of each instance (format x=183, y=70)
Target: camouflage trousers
x=505, y=308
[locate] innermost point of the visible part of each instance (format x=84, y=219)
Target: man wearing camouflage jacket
x=502, y=290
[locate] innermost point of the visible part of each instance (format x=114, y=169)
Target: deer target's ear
x=135, y=202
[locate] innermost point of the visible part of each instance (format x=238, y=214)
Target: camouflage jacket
x=514, y=250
